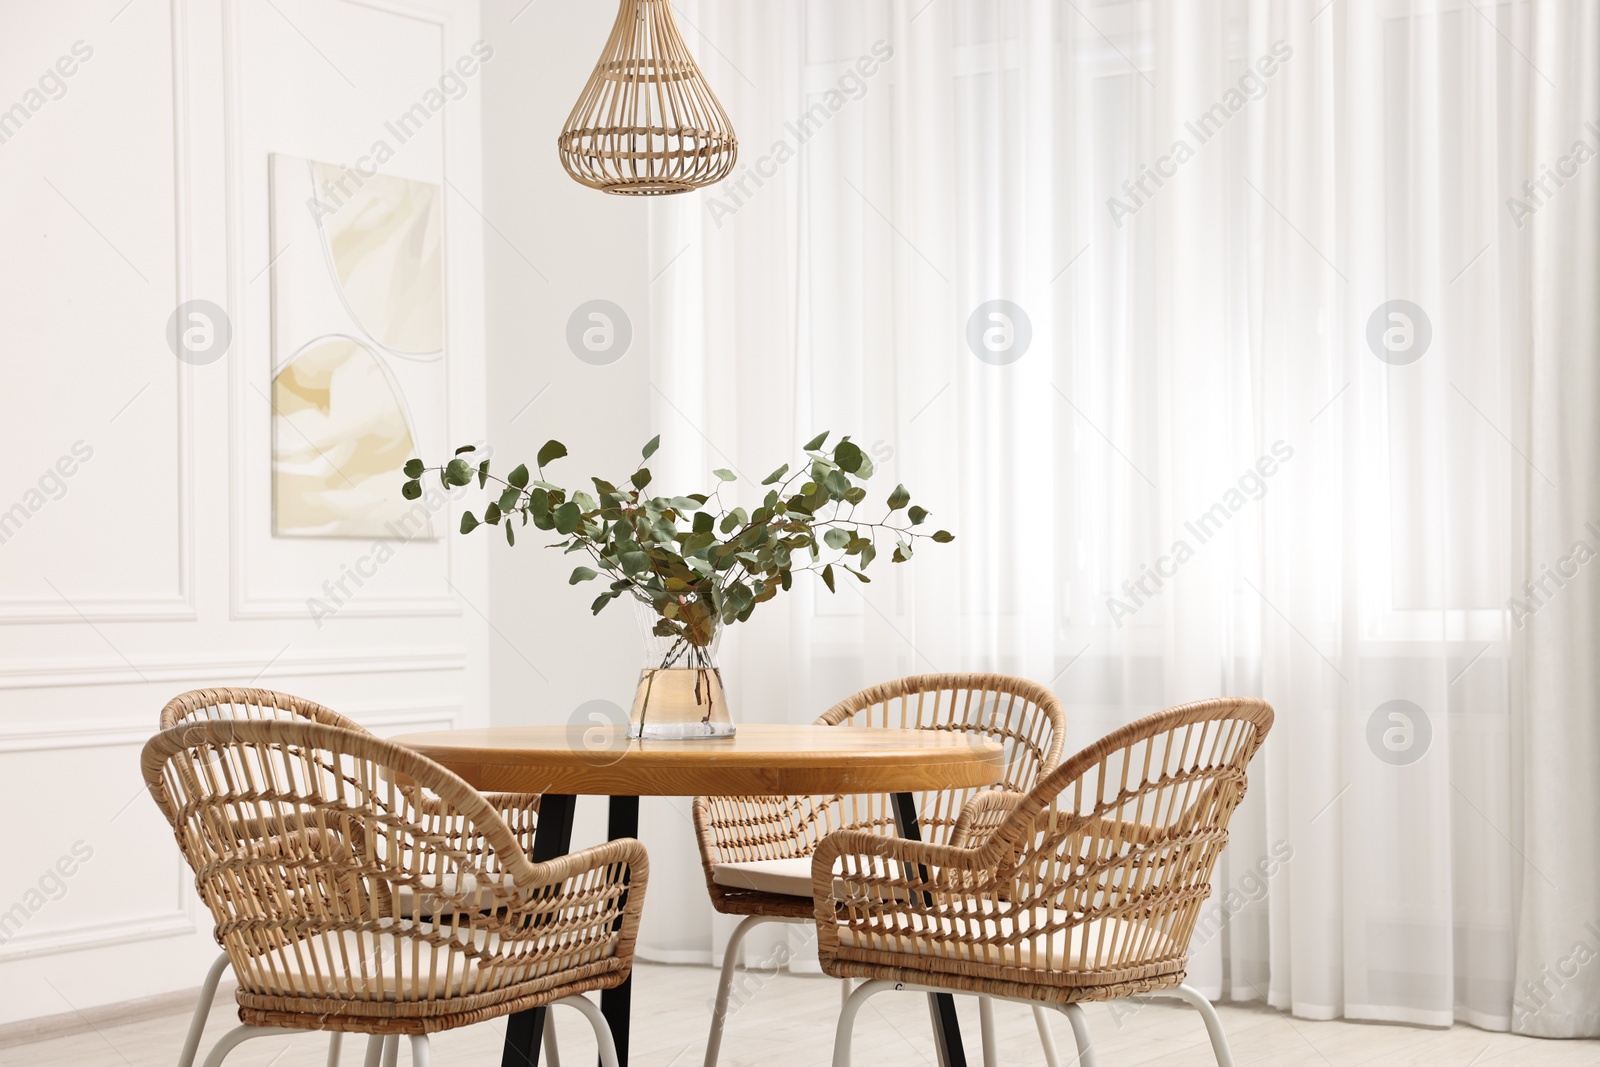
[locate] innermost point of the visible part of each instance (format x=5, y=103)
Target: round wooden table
x=562, y=762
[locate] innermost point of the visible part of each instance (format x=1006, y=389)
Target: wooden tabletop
x=759, y=760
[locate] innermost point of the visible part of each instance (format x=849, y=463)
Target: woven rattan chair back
x=1023, y=716
x=303, y=837
x=202, y=705
x=519, y=810
x=1093, y=880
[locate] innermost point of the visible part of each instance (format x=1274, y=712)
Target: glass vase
x=680, y=694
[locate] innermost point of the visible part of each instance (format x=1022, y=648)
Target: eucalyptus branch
x=698, y=563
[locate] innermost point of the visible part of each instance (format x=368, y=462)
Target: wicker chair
x=519, y=810
x=1087, y=890
x=756, y=851
x=358, y=887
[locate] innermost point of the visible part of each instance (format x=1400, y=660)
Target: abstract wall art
x=358, y=345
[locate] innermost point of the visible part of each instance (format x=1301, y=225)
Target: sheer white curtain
x=1288, y=391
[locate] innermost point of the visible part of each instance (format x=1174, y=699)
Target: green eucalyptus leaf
x=414, y=468
x=469, y=522
x=508, y=499
x=725, y=474
x=411, y=490
x=519, y=477
x=651, y=446
x=483, y=474
x=943, y=537
x=567, y=517
x=776, y=476
x=582, y=574
x=816, y=442
x=827, y=578
x=539, y=507
x=899, y=498
x=917, y=515
x=511, y=534
x=552, y=450
x=641, y=478
x=836, y=538
x=847, y=454
x=464, y=449
x=458, y=472
x=837, y=484
x=491, y=513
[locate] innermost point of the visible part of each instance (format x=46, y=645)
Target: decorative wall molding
x=184, y=920
x=71, y=700
x=243, y=602
x=178, y=606
x=231, y=669
x=112, y=733
x=118, y=931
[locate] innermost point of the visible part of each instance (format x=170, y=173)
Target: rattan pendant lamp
x=647, y=123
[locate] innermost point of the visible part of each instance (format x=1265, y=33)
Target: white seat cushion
x=788, y=878
x=364, y=964
x=453, y=892
x=1086, y=946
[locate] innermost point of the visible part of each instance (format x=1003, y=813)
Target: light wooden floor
x=788, y=1022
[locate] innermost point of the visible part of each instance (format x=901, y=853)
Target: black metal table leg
x=551, y=838
x=941, y=1006
x=616, y=1004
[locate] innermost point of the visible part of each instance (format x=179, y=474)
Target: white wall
x=552, y=246
x=151, y=568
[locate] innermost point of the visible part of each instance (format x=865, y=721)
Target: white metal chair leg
x=197, y=1025
x=1208, y=1012
x=238, y=1036
x=420, y=1051
x=730, y=958
x=602, y=1029
x=552, y=1054
x=374, y=1050
x=391, y=1050
x=846, y=987
x=335, y=1043
x=847, y=1018
x=1052, y=1058
x=991, y=1057
x=1080, y=1034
